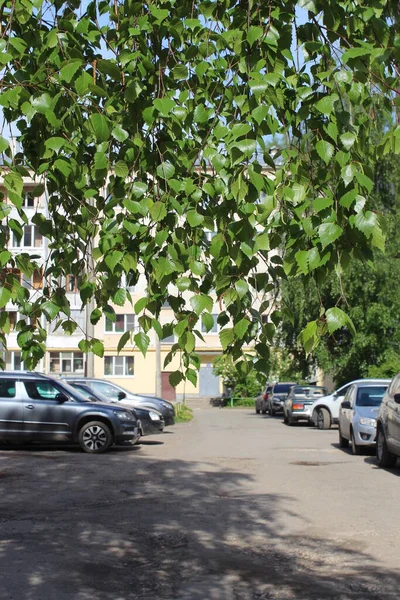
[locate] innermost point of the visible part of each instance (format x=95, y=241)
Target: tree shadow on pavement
x=122, y=526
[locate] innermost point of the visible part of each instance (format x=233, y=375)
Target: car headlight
x=154, y=416
x=124, y=415
x=368, y=421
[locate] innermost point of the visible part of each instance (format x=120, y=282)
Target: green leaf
x=68, y=71
x=347, y=174
x=325, y=150
x=246, y=147
x=183, y=284
x=142, y=341
x=164, y=105
x=95, y=316
x=98, y=124
x=140, y=305
x=348, y=139
x=241, y=287
x=165, y=170
x=262, y=242
x=190, y=342
x=5, y=296
x=302, y=260
x=254, y=33
x=119, y=297
x=113, y=259
x=194, y=218
x=364, y=180
x=208, y=321
x=241, y=327
x=121, y=169
x=347, y=199
x=321, y=203
x=175, y=378
x=356, y=53
x=328, y=233
x=50, y=309
x=326, y=104
x=41, y=103
x=314, y=259
x=158, y=211
x=98, y=348
x=336, y=319
x=201, y=302
x=123, y=340
x=226, y=337
x=201, y=114
x=366, y=222
x=119, y=133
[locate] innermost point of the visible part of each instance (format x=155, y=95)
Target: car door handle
x=30, y=406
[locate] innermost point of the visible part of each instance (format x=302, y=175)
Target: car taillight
x=266, y=396
x=298, y=406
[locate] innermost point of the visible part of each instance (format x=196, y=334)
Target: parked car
x=35, y=407
x=299, y=402
x=273, y=397
x=326, y=410
x=358, y=414
x=152, y=421
x=119, y=394
x=388, y=426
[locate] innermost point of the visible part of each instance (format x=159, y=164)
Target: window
x=119, y=365
x=66, y=362
x=29, y=200
x=370, y=396
x=122, y=323
x=31, y=238
x=214, y=328
x=71, y=283
x=170, y=339
x=13, y=361
x=37, y=279
x=7, y=388
x=41, y=390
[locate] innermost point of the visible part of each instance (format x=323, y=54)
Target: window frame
x=113, y=358
x=76, y=355
x=113, y=324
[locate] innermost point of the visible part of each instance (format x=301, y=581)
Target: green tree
x=371, y=290
x=150, y=123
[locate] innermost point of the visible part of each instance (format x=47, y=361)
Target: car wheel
x=272, y=412
x=257, y=411
x=290, y=420
x=263, y=412
x=285, y=419
x=323, y=419
x=355, y=447
x=384, y=456
x=95, y=437
x=343, y=442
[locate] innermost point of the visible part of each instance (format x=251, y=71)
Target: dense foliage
x=150, y=122
x=372, y=293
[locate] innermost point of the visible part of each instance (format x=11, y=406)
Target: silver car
x=299, y=402
x=358, y=413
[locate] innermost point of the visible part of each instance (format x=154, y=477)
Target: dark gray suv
x=388, y=426
x=34, y=407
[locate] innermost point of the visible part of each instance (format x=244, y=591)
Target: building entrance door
x=167, y=390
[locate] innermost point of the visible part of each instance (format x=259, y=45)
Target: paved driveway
x=231, y=506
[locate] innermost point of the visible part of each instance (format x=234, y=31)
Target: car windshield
x=309, y=391
x=282, y=388
x=370, y=396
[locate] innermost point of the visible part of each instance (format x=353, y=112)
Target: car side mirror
x=121, y=395
x=61, y=398
x=397, y=398
x=346, y=404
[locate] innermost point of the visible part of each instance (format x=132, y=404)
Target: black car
x=152, y=421
x=35, y=407
x=115, y=392
x=388, y=426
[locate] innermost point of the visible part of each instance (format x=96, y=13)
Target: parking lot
x=230, y=506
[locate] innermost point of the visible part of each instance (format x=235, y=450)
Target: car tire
x=290, y=420
x=356, y=449
x=95, y=437
x=285, y=419
x=384, y=456
x=263, y=412
x=323, y=419
x=343, y=442
x=257, y=411
x=272, y=412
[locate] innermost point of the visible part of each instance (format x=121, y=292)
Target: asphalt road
x=231, y=506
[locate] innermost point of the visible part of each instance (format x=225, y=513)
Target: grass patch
x=183, y=413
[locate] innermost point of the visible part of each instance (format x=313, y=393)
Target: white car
x=325, y=411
